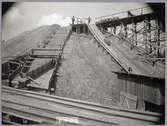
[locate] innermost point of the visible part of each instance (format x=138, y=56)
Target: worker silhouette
x=89, y=19
x=73, y=20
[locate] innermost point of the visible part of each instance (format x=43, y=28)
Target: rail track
x=100, y=38
x=47, y=108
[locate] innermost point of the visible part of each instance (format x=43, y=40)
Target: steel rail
x=51, y=115
x=105, y=111
x=74, y=100
x=104, y=45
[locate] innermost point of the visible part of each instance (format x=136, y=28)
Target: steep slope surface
x=86, y=72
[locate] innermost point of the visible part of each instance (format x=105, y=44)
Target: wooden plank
x=48, y=107
x=152, y=93
x=127, y=100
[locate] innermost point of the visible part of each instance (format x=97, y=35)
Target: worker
x=73, y=20
x=89, y=19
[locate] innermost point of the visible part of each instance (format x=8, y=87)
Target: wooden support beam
x=84, y=29
x=145, y=35
x=132, y=36
x=135, y=33
x=140, y=95
x=115, y=28
x=158, y=36
x=121, y=29
x=125, y=31
x=149, y=35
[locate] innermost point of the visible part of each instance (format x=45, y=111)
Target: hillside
x=29, y=39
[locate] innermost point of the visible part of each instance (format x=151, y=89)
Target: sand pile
x=86, y=72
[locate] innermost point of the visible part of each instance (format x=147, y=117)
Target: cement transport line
x=100, y=38
x=118, y=57
x=46, y=108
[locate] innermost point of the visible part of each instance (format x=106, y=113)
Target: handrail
x=101, y=17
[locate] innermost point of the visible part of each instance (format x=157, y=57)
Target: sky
x=25, y=16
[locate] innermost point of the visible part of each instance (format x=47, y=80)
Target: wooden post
x=121, y=29
x=135, y=33
x=145, y=35
x=125, y=30
x=158, y=36
x=132, y=38
x=78, y=29
x=140, y=95
x=77, y=20
x=84, y=28
x=115, y=29
x=149, y=37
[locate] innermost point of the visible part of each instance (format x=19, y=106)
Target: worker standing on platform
x=73, y=20
x=89, y=19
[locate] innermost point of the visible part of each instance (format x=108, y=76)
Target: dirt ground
x=86, y=72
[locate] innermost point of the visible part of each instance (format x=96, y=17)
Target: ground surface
x=86, y=72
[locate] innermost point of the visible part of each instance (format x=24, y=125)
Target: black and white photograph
x=83, y=63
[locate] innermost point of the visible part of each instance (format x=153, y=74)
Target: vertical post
x=135, y=33
x=158, y=36
x=122, y=30
x=85, y=30
x=111, y=30
x=76, y=29
x=145, y=35
x=149, y=37
x=125, y=30
x=79, y=29
x=76, y=20
x=114, y=29
x=140, y=95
